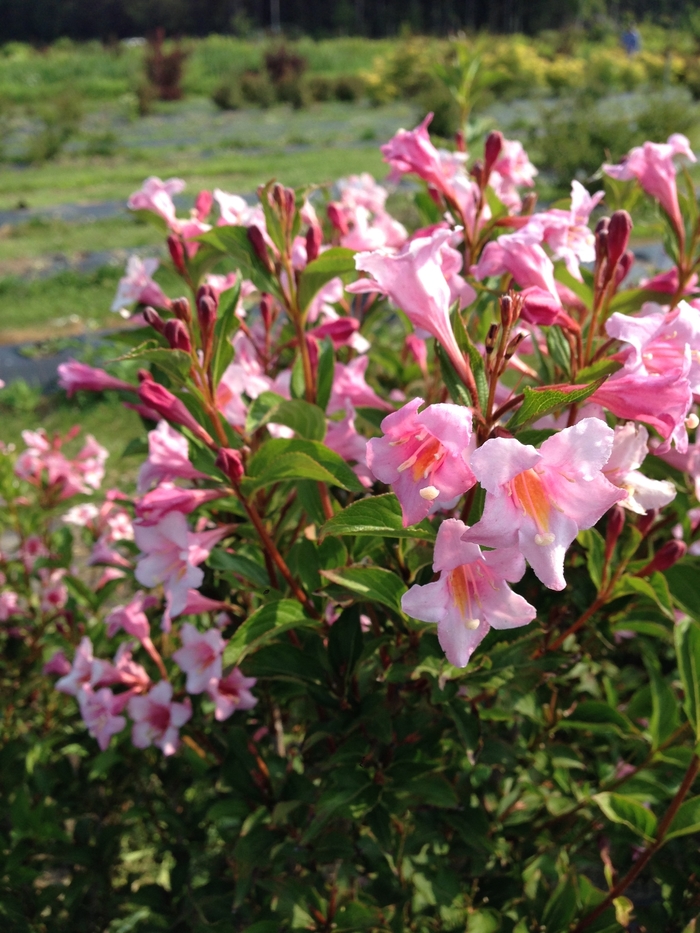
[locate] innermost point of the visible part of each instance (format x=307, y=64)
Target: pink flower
x=100, y=711
x=157, y=196
x=123, y=671
x=622, y=469
x=81, y=671
x=200, y=656
x=64, y=477
x=244, y=376
x=138, y=286
x=231, y=693
x=512, y=169
x=171, y=555
x=567, y=232
x=349, y=383
x=472, y=594
x=653, y=167
x=170, y=407
x=31, y=549
x=235, y=211
x=412, y=151
x=362, y=191
x=342, y=437
x=521, y=255
x=168, y=497
x=196, y=605
x=168, y=458
x=53, y=593
x=415, y=281
x=9, y=604
x=424, y=457
x=75, y=376
x=157, y=720
x=538, y=500
x=58, y=663
x=131, y=618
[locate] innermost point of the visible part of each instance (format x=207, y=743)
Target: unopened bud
x=616, y=522
x=644, y=522
x=143, y=375
x=667, y=555
x=492, y=150
x=177, y=253
x=490, y=342
x=266, y=310
x=206, y=314
x=171, y=408
x=203, y=204
x=619, y=231
x=512, y=347
x=177, y=336
x=209, y=290
x=337, y=218
x=151, y=316
x=314, y=238
x=623, y=267
x=529, y=203
x=257, y=241
x=230, y=463
x=506, y=303
x=459, y=141
x=181, y=310
x=477, y=172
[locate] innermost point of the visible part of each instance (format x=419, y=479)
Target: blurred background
x=96, y=96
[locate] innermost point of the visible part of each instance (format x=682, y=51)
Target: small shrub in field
x=60, y=122
x=294, y=91
x=164, y=69
x=349, y=88
x=283, y=65
x=257, y=89
x=228, y=95
x=321, y=88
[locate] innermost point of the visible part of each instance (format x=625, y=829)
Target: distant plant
x=60, y=121
x=227, y=95
x=164, y=70
x=257, y=88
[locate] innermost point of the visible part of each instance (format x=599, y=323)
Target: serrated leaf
x=174, y=363
x=558, y=347
x=263, y=626
x=627, y=812
x=686, y=820
x=294, y=465
x=371, y=583
x=376, y=515
x=687, y=639
x=337, y=261
x=226, y=324
x=305, y=419
x=276, y=450
x=540, y=402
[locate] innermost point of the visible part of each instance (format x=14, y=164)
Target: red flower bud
x=618, y=236
x=340, y=331
x=168, y=406
x=177, y=335
x=181, y=310
x=177, y=253
x=492, y=150
x=266, y=310
x=152, y=317
x=667, y=555
x=230, y=463
x=206, y=314
x=623, y=267
x=257, y=241
x=203, y=204
x=314, y=238
x=459, y=141
x=337, y=218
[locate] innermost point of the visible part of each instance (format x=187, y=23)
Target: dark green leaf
x=594, y=545
x=372, y=584
x=664, y=704
x=376, y=515
x=540, y=402
x=294, y=465
x=263, y=626
x=337, y=261
x=325, y=372
x=240, y=565
x=174, y=363
x=276, y=450
x=226, y=324
x=626, y=810
x=686, y=820
x=687, y=638
x=559, y=348
x=560, y=909
x=591, y=714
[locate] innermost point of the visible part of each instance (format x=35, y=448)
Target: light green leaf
x=560, y=908
x=226, y=324
x=632, y=299
x=263, y=626
x=276, y=449
x=626, y=811
x=686, y=820
x=540, y=402
x=174, y=363
x=376, y=515
x=294, y=465
x=595, y=716
x=373, y=584
x=594, y=544
x=334, y=262
x=305, y=419
x=687, y=638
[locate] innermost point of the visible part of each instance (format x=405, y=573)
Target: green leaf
x=174, y=363
x=325, y=372
x=239, y=564
x=682, y=580
x=373, y=584
x=560, y=908
x=234, y=241
x=293, y=465
x=427, y=208
x=376, y=515
x=598, y=370
x=540, y=402
x=454, y=384
x=687, y=638
x=153, y=219
x=686, y=820
x=345, y=642
x=654, y=589
x=594, y=544
x=305, y=419
x=626, y=811
x=476, y=360
x=336, y=261
x=277, y=449
x=263, y=626
x=580, y=289
x=664, y=707
x=632, y=299
x=226, y=324
x=297, y=384
x=595, y=716
x=559, y=348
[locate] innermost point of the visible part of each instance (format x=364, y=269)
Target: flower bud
x=209, y=290
x=667, y=555
x=644, y=522
x=337, y=218
x=181, y=310
x=143, y=375
x=492, y=150
x=619, y=231
x=490, y=341
x=177, y=335
x=623, y=267
x=230, y=463
x=539, y=306
x=206, y=315
x=459, y=141
x=314, y=238
x=266, y=310
x=177, y=253
x=477, y=172
x=203, y=204
x=257, y=241
x=506, y=304
x=512, y=347
x=529, y=202
x=151, y=316
x=168, y=406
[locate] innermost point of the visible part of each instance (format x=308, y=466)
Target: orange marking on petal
x=529, y=493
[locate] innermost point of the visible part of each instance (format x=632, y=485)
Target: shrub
x=321, y=88
x=349, y=88
x=257, y=89
x=228, y=95
x=164, y=70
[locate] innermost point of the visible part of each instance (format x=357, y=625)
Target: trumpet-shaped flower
x=231, y=693
x=412, y=151
x=74, y=377
x=101, y=711
x=472, y=594
x=538, y=500
x=157, y=720
x=512, y=169
x=157, y=196
x=199, y=657
x=622, y=469
x=424, y=456
x=521, y=255
x=168, y=458
x=138, y=286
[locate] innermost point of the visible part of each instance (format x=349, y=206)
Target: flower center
x=531, y=497
x=464, y=593
x=425, y=459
